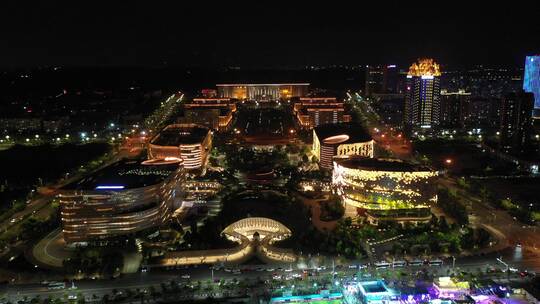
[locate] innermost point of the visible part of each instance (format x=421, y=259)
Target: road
x=204, y=273
x=499, y=222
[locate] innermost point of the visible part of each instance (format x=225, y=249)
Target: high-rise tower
x=422, y=95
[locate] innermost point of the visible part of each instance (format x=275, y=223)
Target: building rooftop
x=355, y=132
x=123, y=175
x=177, y=134
x=379, y=164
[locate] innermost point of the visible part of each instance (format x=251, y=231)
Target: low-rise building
x=314, y=111
x=190, y=142
x=213, y=113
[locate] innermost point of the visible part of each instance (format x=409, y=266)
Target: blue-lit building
x=531, y=79
x=376, y=292
x=422, y=96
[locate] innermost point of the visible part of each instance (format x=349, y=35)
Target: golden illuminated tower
x=422, y=95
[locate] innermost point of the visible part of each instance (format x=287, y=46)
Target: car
x=270, y=269
x=288, y=269
x=185, y=276
x=352, y=266
x=227, y=270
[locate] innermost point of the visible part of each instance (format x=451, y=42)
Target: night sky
x=273, y=34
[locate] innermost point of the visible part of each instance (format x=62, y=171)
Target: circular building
x=121, y=199
x=339, y=140
x=385, y=189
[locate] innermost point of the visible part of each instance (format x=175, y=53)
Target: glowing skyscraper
x=531, y=79
x=422, y=95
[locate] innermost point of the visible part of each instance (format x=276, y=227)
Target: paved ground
x=315, y=207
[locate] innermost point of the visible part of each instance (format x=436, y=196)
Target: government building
x=262, y=91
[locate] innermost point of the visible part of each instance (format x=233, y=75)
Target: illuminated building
x=209, y=93
x=114, y=210
x=422, y=95
x=314, y=111
x=516, y=120
x=450, y=288
x=340, y=140
x=189, y=142
x=454, y=108
x=254, y=235
x=263, y=91
x=376, y=292
x=213, y=113
x=385, y=189
x=531, y=79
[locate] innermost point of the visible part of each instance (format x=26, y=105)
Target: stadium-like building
x=385, y=189
x=189, y=142
x=108, y=211
x=339, y=140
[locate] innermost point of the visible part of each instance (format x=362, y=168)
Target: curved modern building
x=385, y=189
x=112, y=210
x=339, y=140
x=189, y=142
x=254, y=235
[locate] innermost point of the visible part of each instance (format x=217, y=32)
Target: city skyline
x=267, y=152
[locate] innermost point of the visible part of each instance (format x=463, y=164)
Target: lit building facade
x=516, y=120
x=422, y=95
x=266, y=91
x=531, y=79
x=111, y=211
x=314, y=111
x=385, y=189
x=340, y=140
x=190, y=142
x=450, y=288
x=213, y=113
x=375, y=292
